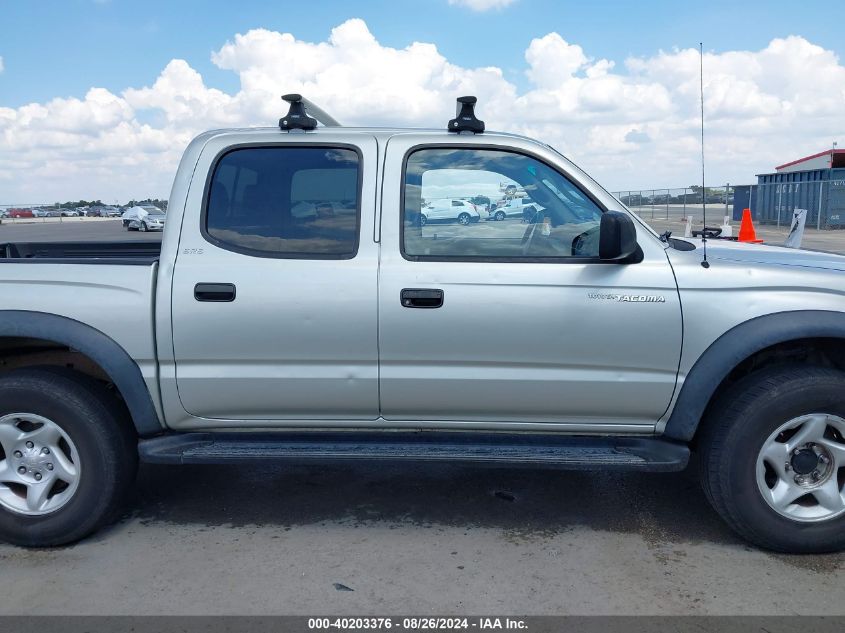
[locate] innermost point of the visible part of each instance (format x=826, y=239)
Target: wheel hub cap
x=39, y=469
x=801, y=468
x=804, y=461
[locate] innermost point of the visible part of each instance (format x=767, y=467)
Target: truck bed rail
x=139, y=253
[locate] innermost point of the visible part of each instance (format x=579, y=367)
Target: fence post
x=652, y=204
x=780, y=200
x=685, y=203
x=727, y=190
x=751, y=196
x=668, y=193
x=819, y=218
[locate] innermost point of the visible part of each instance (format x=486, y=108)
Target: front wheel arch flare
x=732, y=348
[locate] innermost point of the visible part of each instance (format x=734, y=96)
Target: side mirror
x=617, y=236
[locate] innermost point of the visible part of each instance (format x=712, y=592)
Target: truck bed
x=138, y=253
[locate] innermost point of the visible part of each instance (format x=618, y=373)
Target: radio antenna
x=704, y=262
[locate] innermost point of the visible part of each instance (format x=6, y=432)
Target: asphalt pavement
x=71, y=230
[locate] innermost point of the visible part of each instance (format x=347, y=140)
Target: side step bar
x=524, y=449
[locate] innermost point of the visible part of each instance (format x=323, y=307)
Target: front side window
x=299, y=202
x=482, y=203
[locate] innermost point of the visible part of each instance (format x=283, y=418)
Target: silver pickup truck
x=298, y=309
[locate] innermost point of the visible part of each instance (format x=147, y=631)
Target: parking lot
x=381, y=539
x=79, y=230
x=398, y=539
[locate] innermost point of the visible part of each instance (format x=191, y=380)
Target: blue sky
x=62, y=47
x=98, y=98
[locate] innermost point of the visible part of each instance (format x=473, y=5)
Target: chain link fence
x=770, y=203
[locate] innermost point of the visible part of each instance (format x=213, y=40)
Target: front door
x=274, y=288
x=515, y=321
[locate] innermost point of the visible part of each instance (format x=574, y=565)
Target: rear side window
x=296, y=202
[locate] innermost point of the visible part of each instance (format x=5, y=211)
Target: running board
x=525, y=449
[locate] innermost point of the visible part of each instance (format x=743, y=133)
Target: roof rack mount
x=297, y=117
x=465, y=119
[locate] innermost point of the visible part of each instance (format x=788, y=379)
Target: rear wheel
x=773, y=459
x=423, y=219
x=67, y=456
x=500, y=215
x=463, y=218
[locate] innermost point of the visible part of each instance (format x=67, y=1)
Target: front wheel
x=143, y=228
x=67, y=456
x=773, y=459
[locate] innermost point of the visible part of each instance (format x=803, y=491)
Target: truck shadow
x=525, y=504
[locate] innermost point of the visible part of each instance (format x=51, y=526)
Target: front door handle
x=421, y=298
x=218, y=293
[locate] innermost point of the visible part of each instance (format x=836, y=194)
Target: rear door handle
x=219, y=293
x=421, y=298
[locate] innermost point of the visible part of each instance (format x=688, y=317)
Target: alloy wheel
x=40, y=468
x=801, y=468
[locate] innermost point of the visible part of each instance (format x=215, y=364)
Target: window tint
x=479, y=203
x=285, y=202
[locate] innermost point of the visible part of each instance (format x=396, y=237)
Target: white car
x=459, y=211
x=524, y=208
x=136, y=213
x=153, y=221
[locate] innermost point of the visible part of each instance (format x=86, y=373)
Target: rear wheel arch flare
x=121, y=369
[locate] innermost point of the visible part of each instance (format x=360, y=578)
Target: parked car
x=148, y=222
x=110, y=212
x=132, y=213
x=70, y=213
x=523, y=208
x=460, y=211
x=21, y=213
x=4, y=213
x=361, y=336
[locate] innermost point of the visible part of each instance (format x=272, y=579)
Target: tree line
x=73, y=204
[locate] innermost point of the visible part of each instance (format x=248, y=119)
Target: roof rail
x=465, y=120
x=297, y=117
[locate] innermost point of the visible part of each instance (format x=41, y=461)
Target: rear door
x=274, y=289
x=516, y=323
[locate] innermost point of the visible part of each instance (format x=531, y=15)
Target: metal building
x=815, y=183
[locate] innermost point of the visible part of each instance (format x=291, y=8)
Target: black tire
x=463, y=218
x=98, y=425
x=500, y=215
x=143, y=228
x=732, y=436
x=423, y=219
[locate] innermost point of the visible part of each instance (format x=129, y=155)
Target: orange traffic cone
x=746, y=229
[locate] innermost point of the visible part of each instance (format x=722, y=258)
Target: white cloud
x=483, y=5
x=631, y=125
x=1, y=64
